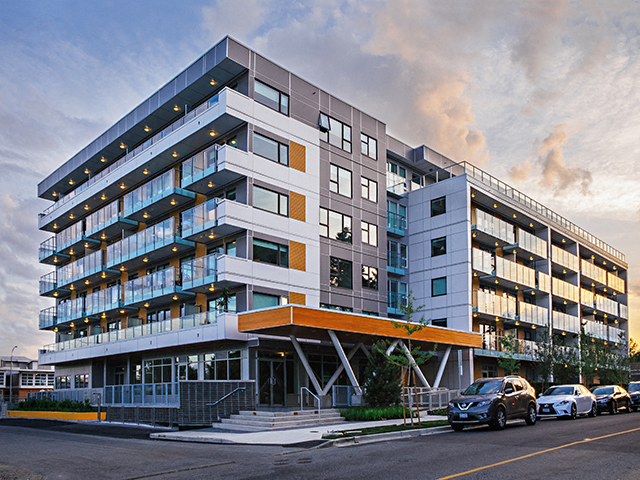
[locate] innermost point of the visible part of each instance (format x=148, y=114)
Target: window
x=26, y=379
x=81, y=381
x=271, y=97
x=439, y=322
x=222, y=365
x=62, y=383
x=397, y=294
x=340, y=273
x=158, y=316
x=335, y=225
x=489, y=370
x=323, y=122
x=261, y=300
x=369, y=189
x=217, y=304
x=395, y=168
x=157, y=371
x=368, y=146
x=371, y=314
x=396, y=215
x=270, y=201
x=340, y=181
x=396, y=254
x=269, y=252
x=369, y=277
x=338, y=134
x=438, y=286
x=438, y=206
x=369, y=233
x=438, y=246
x=336, y=307
x=270, y=149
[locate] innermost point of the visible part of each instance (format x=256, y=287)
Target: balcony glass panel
x=70, y=310
x=150, y=286
x=533, y=314
x=615, y=282
x=593, y=272
x=596, y=330
x=483, y=261
x=624, y=311
x=616, y=334
x=143, y=242
x=493, y=343
x=69, y=236
x=396, y=222
x=531, y=243
x=195, y=166
x=515, y=272
x=103, y=217
x=103, y=300
x=544, y=282
x=199, y=271
x=395, y=300
x=199, y=218
x=48, y=282
x=606, y=305
x=396, y=260
x=494, y=226
x=564, y=258
x=396, y=184
x=47, y=248
x=566, y=322
x=564, y=289
x=498, y=305
x=149, y=193
x=83, y=267
x=587, y=298
x=47, y=318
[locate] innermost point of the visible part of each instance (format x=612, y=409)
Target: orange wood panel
x=298, y=256
x=297, y=298
x=297, y=206
x=297, y=156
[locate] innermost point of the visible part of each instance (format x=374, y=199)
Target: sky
x=542, y=94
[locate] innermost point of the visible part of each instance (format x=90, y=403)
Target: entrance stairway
x=259, y=421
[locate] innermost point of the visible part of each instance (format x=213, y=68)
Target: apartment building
x=244, y=225
x=20, y=376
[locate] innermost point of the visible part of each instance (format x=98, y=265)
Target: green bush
x=47, y=405
x=367, y=414
x=381, y=379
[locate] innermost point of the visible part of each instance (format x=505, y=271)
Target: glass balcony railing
x=102, y=218
x=47, y=318
x=565, y=259
x=533, y=314
x=182, y=323
x=494, y=226
x=70, y=310
x=396, y=300
x=396, y=184
x=47, y=248
x=564, y=289
x=396, y=260
x=48, y=282
x=496, y=305
x=143, y=394
x=596, y=330
x=624, y=311
x=150, y=286
x=492, y=345
x=616, y=334
x=87, y=265
x=606, y=305
x=396, y=222
x=199, y=271
x=143, y=242
x=544, y=282
x=483, y=261
x=615, y=282
x=103, y=300
x=514, y=272
x=593, y=272
x=149, y=193
x=566, y=322
x=531, y=243
x=134, y=153
x=69, y=236
x=195, y=167
x=199, y=218
x=587, y=298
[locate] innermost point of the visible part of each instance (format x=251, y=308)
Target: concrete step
x=232, y=425
x=283, y=418
x=291, y=413
x=253, y=421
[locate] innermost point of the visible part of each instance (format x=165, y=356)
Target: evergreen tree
x=381, y=379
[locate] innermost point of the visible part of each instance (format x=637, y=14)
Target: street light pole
x=11, y=373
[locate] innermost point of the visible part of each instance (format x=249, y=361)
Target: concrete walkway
x=305, y=436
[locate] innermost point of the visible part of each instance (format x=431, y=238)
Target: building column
x=443, y=364
x=345, y=361
x=307, y=367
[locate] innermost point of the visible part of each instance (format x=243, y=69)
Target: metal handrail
x=314, y=396
x=226, y=396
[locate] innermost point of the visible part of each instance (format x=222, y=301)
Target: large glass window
x=335, y=225
x=261, y=300
x=271, y=97
x=396, y=254
x=338, y=134
x=438, y=246
x=368, y=146
x=438, y=286
x=336, y=307
x=369, y=189
x=341, y=273
x=270, y=149
x=369, y=233
x=397, y=169
x=269, y=252
x=438, y=206
x=340, y=181
x=157, y=371
x=369, y=277
x=270, y=201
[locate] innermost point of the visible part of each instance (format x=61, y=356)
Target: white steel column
x=344, y=360
x=392, y=346
x=416, y=368
x=339, y=370
x=443, y=364
x=366, y=352
x=305, y=363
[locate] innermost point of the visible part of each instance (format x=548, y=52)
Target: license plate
x=546, y=410
x=464, y=415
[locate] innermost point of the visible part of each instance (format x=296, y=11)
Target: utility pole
x=11, y=373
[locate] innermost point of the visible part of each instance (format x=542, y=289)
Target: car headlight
x=451, y=405
x=484, y=403
x=564, y=402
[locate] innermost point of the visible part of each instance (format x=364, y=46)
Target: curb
x=383, y=437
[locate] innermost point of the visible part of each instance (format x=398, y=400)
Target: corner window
x=340, y=273
x=269, y=252
x=270, y=201
x=368, y=146
x=395, y=168
x=340, y=181
x=438, y=206
x=261, y=300
x=369, y=277
x=370, y=190
x=271, y=98
x=439, y=322
x=338, y=134
x=335, y=225
x=270, y=149
x=336, y=307
x=438, y=246
x=323, y=123
x=369, y=234
x=438, y=286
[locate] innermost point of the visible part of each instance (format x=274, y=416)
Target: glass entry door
x=271, y=378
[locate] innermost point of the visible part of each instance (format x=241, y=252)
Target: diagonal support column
x=366, y=352
x=305, y=363
x=443, y=364
x=415, y=367
x=340, y=369
x=392, y=346
x=345, y=361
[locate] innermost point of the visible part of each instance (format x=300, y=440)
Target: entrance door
x=271, y=378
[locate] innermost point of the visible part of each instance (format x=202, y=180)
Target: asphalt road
x=606, y=447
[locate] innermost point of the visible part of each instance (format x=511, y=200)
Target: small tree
x=545, y=357
x=509, y=361
x=381, y=385
x=566, y=364
x=223, y=301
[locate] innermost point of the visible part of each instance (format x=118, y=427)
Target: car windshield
x=634, y=387
x=479, y=388
x=603, y=391
x=559, y=391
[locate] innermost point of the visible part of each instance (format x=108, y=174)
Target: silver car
x=567, y=401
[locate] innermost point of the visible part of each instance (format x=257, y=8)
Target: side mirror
x=508, y=390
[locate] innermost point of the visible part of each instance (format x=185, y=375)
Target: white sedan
x=567, y=401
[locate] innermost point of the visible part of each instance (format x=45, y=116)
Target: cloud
x=223, y=18
x=520, y=171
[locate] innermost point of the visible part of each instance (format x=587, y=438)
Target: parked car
x=612, y=397
x=634, y=393
x=493, y=401
x=567, y=401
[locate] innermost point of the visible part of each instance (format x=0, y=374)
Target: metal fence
x=431, y=399
x=346, y=396
x=147, y=394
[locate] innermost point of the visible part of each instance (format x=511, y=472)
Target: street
x=587, y=448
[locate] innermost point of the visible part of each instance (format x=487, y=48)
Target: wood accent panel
x=297, y=298
x=297, y=206
x=297, y=156
x=264, y=319
x=297, y=256
x=201, y=250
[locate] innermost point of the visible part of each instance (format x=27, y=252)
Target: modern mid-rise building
x=20, y=376
x=244, y=225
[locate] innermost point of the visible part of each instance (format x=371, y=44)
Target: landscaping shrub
x=366, y=414
x=47, y=405
x=381, y=379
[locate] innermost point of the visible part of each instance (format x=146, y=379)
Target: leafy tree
x=381, y=379
x=545, y=357
x=509, y=362
x=223, y=301
x=634, y=351
x=565, y=365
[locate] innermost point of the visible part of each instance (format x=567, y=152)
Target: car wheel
x=500, y=418
x=457, y=427
x=594, y=410
x=532, y=415
x=574, y=412
x=628, y=409
x=613, y=409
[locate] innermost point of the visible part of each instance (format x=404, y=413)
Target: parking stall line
x=586, y=440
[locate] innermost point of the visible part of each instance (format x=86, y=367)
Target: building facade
x=20, y=376
x=242, y=224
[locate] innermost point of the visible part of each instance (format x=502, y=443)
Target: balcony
x=615, y=282
x=616, y=334
x=564, y=290
x=73, y=240
x=490, y=230
x=150, y=245
x=216, y=270
x=47, y=318
x=396, y=184
x=492, y=347
x=396, y=263
x=533, y=314
x=624, y=311
x=155, y=289
x=155, y=198
x=215, y=218
x=482, y=261
x=495, y=305
x=49, y=285
x=565, y=322
x=565, y=259
x=396, y=224
x=90, y=268
x=544, y=282
x=107, y=301
x=593, y=272
x=513, y=274
x=214, y=167
x=596, y=330
x=587, y=298
x=70, y=310
x=395, y=301
x=107, y=223
x=606, y=305
x=529, y=247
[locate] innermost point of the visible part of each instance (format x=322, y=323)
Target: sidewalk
x=304, y=437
